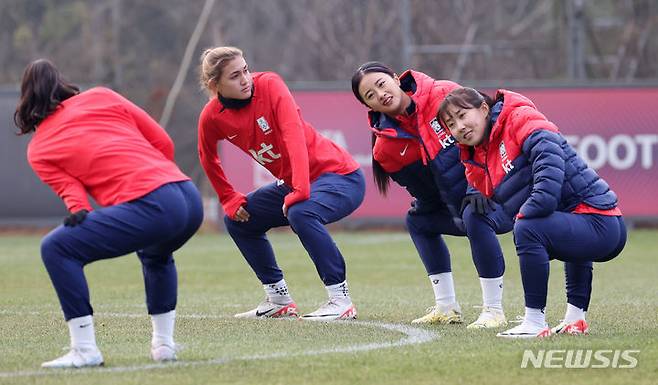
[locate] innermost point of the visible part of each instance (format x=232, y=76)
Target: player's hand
x=481, y=204
x=413, y=210
x=285, y=210
x=241, y=215
x=75, y=218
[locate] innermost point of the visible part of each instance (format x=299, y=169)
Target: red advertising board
x=614, y=129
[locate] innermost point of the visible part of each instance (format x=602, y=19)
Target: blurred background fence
x=590, y=65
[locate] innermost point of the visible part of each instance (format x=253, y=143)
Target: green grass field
x=388, y=285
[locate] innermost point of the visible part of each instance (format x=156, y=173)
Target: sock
x=81, y=330
x=163, y=328
x=492, y=292
x=535, y=317
x=573, y=314
x=339, y=292
x=277, y=292
x=444, y=288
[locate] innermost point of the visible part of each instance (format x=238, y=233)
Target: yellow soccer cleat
x=489, y=318
x=441, y=315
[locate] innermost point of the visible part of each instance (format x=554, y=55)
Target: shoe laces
x=175, y=347
x=447, y=310
x=487, y=308
x=432, y=309
x=76, y=349
x=329, y=304
x=517, y=320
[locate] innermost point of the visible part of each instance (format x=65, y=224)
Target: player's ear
x=484, y=107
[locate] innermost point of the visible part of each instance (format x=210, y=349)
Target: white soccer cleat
x=334, y=309
x=268, y=309
x=441, y=315
x=163, y=353
x=489, y=318
x=526, y=330
x=76, y=358
x=575, y=328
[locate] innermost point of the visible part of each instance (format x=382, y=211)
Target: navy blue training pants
x=576, y=239
x=333, y=197
x=154, y=226
x=426, y=230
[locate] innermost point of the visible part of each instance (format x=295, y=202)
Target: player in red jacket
x=564, y=210
x=100, y=144
x=410, y=147
x=319, y=182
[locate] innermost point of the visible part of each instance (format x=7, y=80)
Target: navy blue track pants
x=154, y=226
x=333, y=197
x=576, y=239
x=426, y=232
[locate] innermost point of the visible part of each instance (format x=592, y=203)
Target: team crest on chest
x=505, y=161
x=445, y=139
x=264, y=126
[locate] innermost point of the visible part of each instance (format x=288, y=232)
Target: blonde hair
x=213, y=61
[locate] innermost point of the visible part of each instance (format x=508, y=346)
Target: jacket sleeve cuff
x=295, y=197
x=232, y=205
x=79, y=206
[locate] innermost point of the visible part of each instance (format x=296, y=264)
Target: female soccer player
x=563, y=209
x=98, y=143
x=410, y=147
x=319, y=182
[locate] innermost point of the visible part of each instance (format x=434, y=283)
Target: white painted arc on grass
x=413, y=335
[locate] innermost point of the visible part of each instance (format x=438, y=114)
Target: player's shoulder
x=270, y=80
x=266, y=76
x=213, y=105
x=101, y=91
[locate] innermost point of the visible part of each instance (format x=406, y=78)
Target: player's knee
x=156, y=260
x=50, y=247
x=475, y=223
x=412, y=224
x=525, y=231
x=469, y=218
x=231, y=225
x=299, y=217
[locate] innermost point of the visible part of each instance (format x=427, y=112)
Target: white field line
x=412, y=336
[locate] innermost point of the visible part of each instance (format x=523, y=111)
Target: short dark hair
x=463, y=97
x=42, y=91
x=366, y=68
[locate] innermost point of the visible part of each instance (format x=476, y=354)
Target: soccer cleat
x=441, y=315
x=269, y=309
x=489, y=318
x=526, y=330
x=579, y=327
x=163, y=353
x=77, y=358
x=332, y=310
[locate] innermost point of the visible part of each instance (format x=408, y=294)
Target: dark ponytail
x=382, y=178
x=42, y=91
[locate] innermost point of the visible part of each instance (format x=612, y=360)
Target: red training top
x=101, y=144
x=271, y=129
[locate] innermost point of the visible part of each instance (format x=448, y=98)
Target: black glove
x=481, y=204
x=412, y=210
x=421, y=208
x=75, y=218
